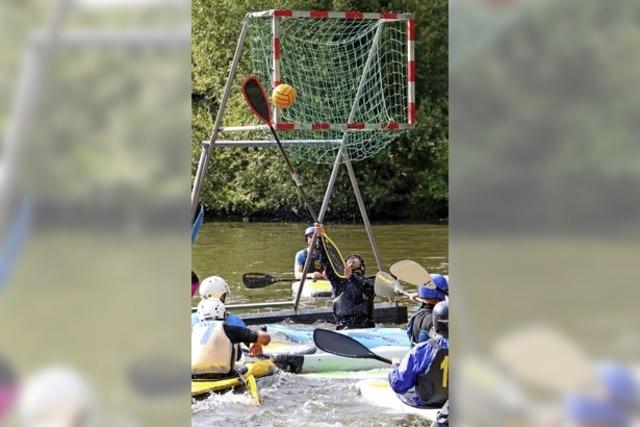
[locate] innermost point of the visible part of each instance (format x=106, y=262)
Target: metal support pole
x=205, y=155
x=336, y=164
x=35, y=66
x=363, y=211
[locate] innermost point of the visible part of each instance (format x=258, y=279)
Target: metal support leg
x=363, y=211
x=205, y=154
x=336, y=163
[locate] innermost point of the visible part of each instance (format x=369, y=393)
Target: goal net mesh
x=325, y=61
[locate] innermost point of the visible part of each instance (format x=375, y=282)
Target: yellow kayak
x=259, y=368
x=313, y=288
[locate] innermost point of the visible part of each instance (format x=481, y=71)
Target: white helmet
x=213, y=287
x=211, y=309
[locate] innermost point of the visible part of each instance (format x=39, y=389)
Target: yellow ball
x=283, y=96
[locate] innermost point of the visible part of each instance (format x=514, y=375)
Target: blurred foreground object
x=58, y=397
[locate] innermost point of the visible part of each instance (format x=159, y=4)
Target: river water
x=230, y=249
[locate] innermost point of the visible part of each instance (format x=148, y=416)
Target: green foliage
x=409, y=180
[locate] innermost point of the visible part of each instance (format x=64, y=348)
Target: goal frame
x=277, y=15
x=342, y=156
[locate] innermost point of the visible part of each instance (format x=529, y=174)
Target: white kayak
x=313, y=288
x=379, y=373
x=327, y=362
x=378, y=392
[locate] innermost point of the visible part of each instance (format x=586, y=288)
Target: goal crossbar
x=323, y=14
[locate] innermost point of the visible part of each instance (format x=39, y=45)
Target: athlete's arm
x=233, y=320
x=298, y=264
x=405, y=376
x=238, y=334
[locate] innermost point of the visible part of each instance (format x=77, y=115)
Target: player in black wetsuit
x=354, y=293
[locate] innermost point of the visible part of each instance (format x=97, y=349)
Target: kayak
x=378, y=392
x=327, y=362
x=370, y=337
x=258, y=368
x=290, y=349
x=379, y=373
x=313, y=288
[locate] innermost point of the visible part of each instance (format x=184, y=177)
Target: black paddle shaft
x=294, y=175
x=256, y=98
x=343, y=345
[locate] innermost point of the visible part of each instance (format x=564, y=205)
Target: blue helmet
x=620, y=384
x=440, y=282
x=589, y=410
x=441, y=287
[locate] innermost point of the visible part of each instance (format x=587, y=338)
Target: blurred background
x=544, y=208
x=94, y=154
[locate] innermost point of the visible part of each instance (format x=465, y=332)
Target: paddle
x=343, y=345
x=257, y=101
x=411, y=272
x=387, y=286
x=262, y=280
x=250, y=383
x=544, y=357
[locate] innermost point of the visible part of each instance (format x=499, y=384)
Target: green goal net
x=353, y=75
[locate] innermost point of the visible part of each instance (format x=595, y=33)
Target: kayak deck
x=202, y=387
x=313, y=289
x=378, y=392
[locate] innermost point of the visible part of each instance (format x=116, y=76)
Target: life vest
x=316, y=265
x=432, y=387
x=420, y=324
x=211, y=350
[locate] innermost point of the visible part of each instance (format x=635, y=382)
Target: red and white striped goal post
x=277, y=14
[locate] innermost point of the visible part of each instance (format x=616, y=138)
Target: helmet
x=620, y=384
x=309, y=230
x=589, y=410
x=439, y=293
x=441, y=283
x=424, y=292
x=211, y=309
x=441, y=318
x=55, y=396
x=213, y=287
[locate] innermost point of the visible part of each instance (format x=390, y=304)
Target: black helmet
x=440, y=316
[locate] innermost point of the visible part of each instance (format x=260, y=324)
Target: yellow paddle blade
x=336, y=260
x=253, y=388
x=385, y=285
x=411, y=272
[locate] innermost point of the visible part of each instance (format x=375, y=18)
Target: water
x=231, y=249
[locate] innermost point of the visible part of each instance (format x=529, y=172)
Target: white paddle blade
x=411, y=272
x=545, y=358
x=385, y=285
